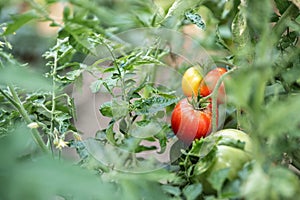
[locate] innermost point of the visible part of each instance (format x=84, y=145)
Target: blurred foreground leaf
x=24, y=78
x=42, y=177
x=19, y=20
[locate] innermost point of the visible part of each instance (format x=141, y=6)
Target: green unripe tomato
x=227, y=156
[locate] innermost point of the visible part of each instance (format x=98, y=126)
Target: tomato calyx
x=199, y=103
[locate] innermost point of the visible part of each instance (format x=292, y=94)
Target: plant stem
x=15, y=100
x=53, y=107
x=214, y=96
x=119, y=71
x=290, y=13
x=238, y=117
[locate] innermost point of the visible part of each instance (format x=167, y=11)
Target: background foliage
x=37, y=112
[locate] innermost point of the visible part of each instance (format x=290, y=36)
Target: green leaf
x=203, y=164
x=241, y=37
x=153, y=104
x=257, y=177
x=71, y=76
x=171, y=190
x=203, y=147
x=195, y=18
x=146, y=128
x=285, y=122
x=232, y=143
x=218, y=178
x=119, y=108
x=282, y=5
x=110, y=134
x=176, y=150
x=177, y=9
x=25, y=78
x=220, y=41
x=106, y=109
x=291, y=75
x=242, y=88
x=96, y=85
x=191, y=192
x=284, y=183
x=142, y=148
x=19, y=20
x=228, y=7
x=16, y=170
x=239, y=29
x=162, y=137
x=203, y=153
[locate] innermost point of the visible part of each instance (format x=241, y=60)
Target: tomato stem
x=15, y=100
x=214, y=96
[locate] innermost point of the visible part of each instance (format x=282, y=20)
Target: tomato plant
x=189, y=123
x=190, y=82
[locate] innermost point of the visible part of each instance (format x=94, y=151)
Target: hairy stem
x=53, y=107
x=15, y=100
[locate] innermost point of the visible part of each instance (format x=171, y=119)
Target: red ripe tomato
x=189, y=123
x=209, y=82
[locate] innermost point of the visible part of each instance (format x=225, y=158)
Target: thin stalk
x=11, y=100
x=290, y=13
x=214, y=96
x=53, y=106
x=15, y=100
x=238, y=117
x=119, y=71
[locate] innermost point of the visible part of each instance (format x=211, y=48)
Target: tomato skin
x=188, y=123
x=209, y=82
x=191, y=81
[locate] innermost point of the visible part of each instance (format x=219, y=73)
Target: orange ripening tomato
x=191, y=81
x=209, y=82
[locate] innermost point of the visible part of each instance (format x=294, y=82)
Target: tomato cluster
x=228, y=149
x=194, y=120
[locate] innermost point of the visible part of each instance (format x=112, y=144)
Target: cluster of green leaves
x=263, y=94
x=265, y=103
x=25, y=175
x=138, y=106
